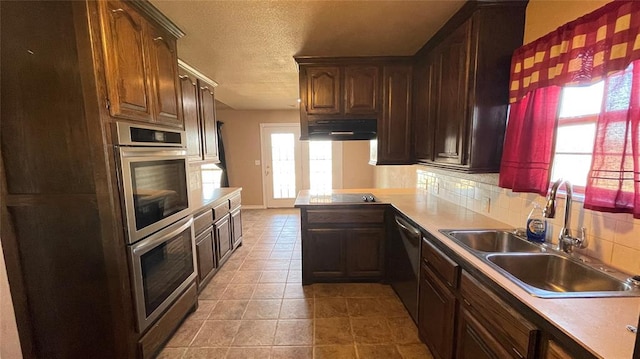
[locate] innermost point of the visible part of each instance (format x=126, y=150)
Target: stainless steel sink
x=541, y=270
x=492, y=241
x=553, y=275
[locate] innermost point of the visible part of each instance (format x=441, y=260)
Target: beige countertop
x=203, y=197
x=598, y=324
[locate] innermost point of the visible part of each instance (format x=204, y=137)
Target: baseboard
x=253, y=206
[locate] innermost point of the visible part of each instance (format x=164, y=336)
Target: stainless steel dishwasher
x=404, y=264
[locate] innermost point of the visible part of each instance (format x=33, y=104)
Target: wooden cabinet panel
x=202, y=221
x=394, y=128
x=323, y=90
x=425, y=99
x=129, y=84
x=436, y=314
x=365, y=252
x=224, y=246
x=205, y=256
x=555, y=351
x=462, y=80
x=327, y=253
x=453, y=74
x=164, y=65
x=475, y=341
x=507, y=326
x=189, y=87
x=437, y=261
x=236, y=227
x=361, y=89
x=210, y=132
x=370, y=215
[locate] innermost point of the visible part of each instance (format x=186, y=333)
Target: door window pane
x=284, y=165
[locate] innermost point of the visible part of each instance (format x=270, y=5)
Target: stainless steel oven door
x=154, y=188
x=162, y=267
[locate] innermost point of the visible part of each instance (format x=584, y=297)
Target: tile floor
x=256, y=307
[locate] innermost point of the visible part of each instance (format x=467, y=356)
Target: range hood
x=343, y=129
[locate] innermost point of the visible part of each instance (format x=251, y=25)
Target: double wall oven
x=153, y=170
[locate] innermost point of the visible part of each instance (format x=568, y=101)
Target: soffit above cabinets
x=248, y=46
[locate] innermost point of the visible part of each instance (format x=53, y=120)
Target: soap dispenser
x=536, y=225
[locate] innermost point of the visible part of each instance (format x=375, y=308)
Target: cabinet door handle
x=183, y=77
x=466, y=302
x=159, y=38
x=122, y=11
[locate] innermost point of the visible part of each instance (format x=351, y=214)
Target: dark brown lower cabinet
x=224, y=245
x=343, y=252
x=329, y=253
x=205, y=256
x=476, y=342
x=236, y=227
x=555, y=351
x=436, y=318
x=487, y=322
x=365, y=252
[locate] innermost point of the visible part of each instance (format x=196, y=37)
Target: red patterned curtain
x=589, y=49
x=613, y=184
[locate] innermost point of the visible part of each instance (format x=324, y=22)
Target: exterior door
x=282, y=165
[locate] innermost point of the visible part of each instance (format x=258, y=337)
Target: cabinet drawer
x=507, y=325
x=202, y=221
x=448, y=270
x=220, y=210
x=234, y=202
x=345, y=216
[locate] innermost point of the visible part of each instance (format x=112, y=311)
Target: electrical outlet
x=257, y=162
x=486, y=204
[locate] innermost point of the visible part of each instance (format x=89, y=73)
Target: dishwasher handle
x=406, y=227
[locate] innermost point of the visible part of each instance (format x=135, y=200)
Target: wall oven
x=153, y=180
x=153, y=172
x=162, y=267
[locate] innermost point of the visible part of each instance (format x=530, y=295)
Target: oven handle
x=145, y=246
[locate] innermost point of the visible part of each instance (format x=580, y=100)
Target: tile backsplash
x=612, y=238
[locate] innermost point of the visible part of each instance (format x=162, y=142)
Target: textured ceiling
x=248, y=46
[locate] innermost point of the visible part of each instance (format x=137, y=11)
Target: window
x=320, y=173
x=577, y=117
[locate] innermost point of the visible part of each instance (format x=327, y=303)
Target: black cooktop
x=342, y=198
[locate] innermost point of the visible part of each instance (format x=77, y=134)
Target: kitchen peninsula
x=584, y=327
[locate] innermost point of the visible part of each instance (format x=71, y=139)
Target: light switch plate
x=257, y=162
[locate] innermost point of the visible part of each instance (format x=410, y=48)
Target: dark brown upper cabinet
x=357, y=88
x=323, y=91
x=461, y=87
x=190, y=113
x=333, y=88
x=164, y=63
x=394, y=126
x=140, y=67
x=361, y=89
x=209, y=127
x=198, y=108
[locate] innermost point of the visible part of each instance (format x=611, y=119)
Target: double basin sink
x=540, y=270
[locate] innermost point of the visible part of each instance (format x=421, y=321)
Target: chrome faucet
x=566, y=242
